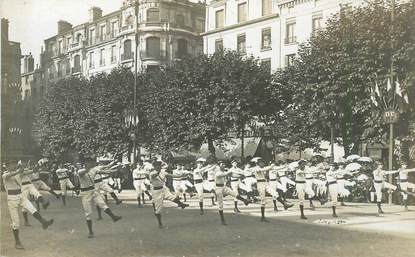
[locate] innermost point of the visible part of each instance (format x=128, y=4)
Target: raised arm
x=12, y=173
x=82, y=171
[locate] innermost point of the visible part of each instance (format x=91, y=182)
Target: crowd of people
x=315, y=180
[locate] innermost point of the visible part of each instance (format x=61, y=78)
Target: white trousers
x=199, y=190
x=41, y=186
x=65, y=184
x=92, y=198
x=285, y=182
x=341, y=188
x=14, y=202
x=139, y=186
x=159, y=196
x=222, y=192
x=379, y=187
x=249, y=182
x=333, y=191
x=309, y=188
x=404, y=187
x=300, y=187
x=104, y=187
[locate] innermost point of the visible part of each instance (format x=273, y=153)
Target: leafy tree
x=331, y=81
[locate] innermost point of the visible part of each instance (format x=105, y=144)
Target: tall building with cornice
x=146, y=33
x=270, y=30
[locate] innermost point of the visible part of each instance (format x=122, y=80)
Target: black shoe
x=236, y=210
x=18, y=246
x=91, y=235
x=288, y=205
x=184, y=205
x=335, y=215
x=116, y=218
x=118, y=202
x=303, y=217
x=46, y=224
x=263, y=219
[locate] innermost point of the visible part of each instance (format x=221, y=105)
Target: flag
x=398, y=90
x=373, y=97
x=388, y=85
x=405, y=97
x=377, y=89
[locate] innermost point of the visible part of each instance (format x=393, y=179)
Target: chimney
x=4, y=29
x=63, y=26
x=94, y=13
x=30, y=63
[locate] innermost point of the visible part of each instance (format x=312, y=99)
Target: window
x=113, y=54
x=266, y=39
x=242, y=12
x=60, y=47
x=266, y=7
x=59, y=69
x=290, y=37
x=91, y=60
x=130, y=21
x=153, y=15
x=77, y=64
x=241, y=43
x=316, y=24
x=113, y=29
x=218, y=45
x=219, y=18
x=102, y=57
x=67, y=66
x=92, y=36
x=289, y=58
x=102, y=33
x=127, y=54
x=68, y=42
x=180, y=20
x=78, y=38
x=153, y=47
x=181, y=47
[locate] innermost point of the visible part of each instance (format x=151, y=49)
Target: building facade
x=270, y=30
x=155, y=32
x=11, y=106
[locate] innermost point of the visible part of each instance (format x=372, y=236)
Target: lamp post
x=131, y=120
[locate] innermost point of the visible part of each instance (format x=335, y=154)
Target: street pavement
x=357, y=231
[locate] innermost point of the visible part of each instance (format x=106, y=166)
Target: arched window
x=153, y=47
x=153, y=15
x=130, y=20
x=127, y=50
x=180, y=20
x=181, y=47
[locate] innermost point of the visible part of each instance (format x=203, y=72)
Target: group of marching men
x=316, y=180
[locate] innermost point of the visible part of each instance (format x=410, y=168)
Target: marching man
x=140, y=174
x=236, y=182
x=15, y=199
x=284, y=180
x=198, y=173
x=64, y=181
x=331, y=177
x=276, y=189
x=379, y=183
x=90, y=195
x=403, y=182
x=300, y=181
x=222, y=190
x=40, y=185
x=160, y=191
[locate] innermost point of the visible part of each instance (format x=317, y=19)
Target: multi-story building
x=11, y=132
x=154, y=32
x=268, y=29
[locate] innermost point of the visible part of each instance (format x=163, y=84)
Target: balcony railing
x=127, y=56
x=76, y=69
x=162, y=55
x=127, y=27
x=290, y=40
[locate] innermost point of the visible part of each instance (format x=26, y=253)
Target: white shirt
x=62, y=173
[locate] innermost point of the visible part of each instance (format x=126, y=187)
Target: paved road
x=189, y=234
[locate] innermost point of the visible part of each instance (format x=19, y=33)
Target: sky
x=33, y=21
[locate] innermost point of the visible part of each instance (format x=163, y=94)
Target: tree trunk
x=211, y=148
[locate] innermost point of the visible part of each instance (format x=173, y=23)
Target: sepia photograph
x=207, y=128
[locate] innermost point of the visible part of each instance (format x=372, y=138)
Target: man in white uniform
x=198, y=174
x=222, y=190
x=64, y=181
x=276, y=188
x=40, y=185
x=331, y=176
x=139, y=175
x=300, y=181
x=15, y=199
x=236, y=182
x=379, y=183
x=403, y=182
x=160, y=191
x=90, y=196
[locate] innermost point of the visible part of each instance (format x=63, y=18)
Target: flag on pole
x=405, y=97
x=398, y=90
x=377, y=89
x=373, y=97
x=388, y=85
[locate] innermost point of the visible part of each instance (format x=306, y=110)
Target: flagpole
x=393, y=103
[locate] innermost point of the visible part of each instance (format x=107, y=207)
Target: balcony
x=290, y=40
x=127, y=57
x=76, y=69
x=76, y=45
x=145, y=56
x=127, y=28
